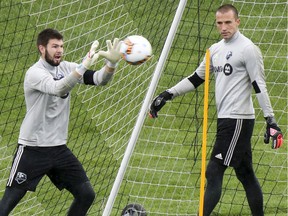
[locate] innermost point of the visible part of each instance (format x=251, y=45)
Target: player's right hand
x=113, y=54
x=273, y=131
x=158, y=103
x=89, y=60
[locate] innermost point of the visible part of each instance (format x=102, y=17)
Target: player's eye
x=57, y=46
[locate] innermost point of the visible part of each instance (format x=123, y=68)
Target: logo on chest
x=229, y=54
x=227, y=69
x=59, y=76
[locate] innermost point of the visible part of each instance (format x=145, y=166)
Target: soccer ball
x=134, y=209
x=136, y=49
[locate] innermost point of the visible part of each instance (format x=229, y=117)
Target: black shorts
x=30, y=164
x=233, y=141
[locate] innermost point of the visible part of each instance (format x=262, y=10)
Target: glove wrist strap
x=81, y=69
x=111, y=65
x=270, y=120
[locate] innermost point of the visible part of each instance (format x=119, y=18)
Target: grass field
x=164, y=171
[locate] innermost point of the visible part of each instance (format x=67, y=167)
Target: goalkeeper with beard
x=42, y=148
x=238, y=68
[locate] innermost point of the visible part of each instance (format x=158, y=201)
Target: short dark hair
x=227, y=7
x=47, y=34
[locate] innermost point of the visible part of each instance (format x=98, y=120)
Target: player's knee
x=245, y=174
x=88, y=193
x=209, y=174
x=90, y=196
x=85, y=193
x=212, y=171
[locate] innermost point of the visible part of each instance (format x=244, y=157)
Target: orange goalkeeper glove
x=273, y=131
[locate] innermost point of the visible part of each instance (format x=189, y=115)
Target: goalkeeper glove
x=158, y=103
x=272, y=130
x=113, y=54
x=89, y=60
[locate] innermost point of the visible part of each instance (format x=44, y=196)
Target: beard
x=50, y=60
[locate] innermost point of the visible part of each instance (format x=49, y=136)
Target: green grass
x=164, y=171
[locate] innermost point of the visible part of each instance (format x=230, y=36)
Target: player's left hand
x=89, y=60
x=158, y=103
x=273, y=131
x=113, y=54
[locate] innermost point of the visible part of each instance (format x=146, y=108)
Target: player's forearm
x=263, y=97
x=103, y=76
x=65, y=85
x=181, y=88
x=265, y=104
x=186, y=85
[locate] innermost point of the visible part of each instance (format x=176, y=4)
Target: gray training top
x=47, y=98
x=238, y=66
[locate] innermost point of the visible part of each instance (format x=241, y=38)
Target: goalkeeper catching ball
x=238, y=68
x=42, y=148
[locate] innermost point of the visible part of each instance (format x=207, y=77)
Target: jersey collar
x=233, y=38
x=47, y=65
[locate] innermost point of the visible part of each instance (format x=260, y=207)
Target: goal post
x=163, y=173
x=144, y=108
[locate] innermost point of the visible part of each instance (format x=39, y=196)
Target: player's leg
x=214, y=177
x=68, y=172
x=25, y=174
x=84, y=196
x=244, y=169
x=216, y=168
x=11, y=198
x=246, y=176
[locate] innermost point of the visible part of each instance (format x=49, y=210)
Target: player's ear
x=238, y=21
x=41, y=49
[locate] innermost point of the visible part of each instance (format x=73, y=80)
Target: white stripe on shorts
x=15, y=164
x=233, y=142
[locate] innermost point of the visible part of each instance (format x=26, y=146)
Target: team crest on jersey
x=59, y=76
x=228, y=69
x=229, y=54
x=20, y=177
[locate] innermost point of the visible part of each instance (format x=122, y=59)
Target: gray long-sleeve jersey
x=47, y=98
x=238, y=66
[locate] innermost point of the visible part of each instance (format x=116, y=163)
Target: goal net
x=163, y=174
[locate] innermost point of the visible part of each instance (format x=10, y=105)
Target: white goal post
x=144, y=108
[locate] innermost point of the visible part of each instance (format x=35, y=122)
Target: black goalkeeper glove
x=158, y=103
x=272, y=130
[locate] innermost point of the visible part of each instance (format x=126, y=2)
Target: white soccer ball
x=136, y=49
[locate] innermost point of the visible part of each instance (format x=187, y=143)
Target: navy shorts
x=233, y=141
x=30, y=164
